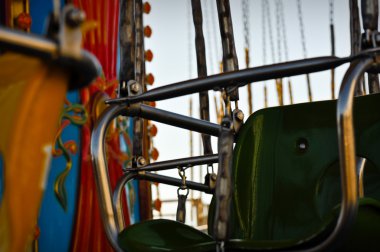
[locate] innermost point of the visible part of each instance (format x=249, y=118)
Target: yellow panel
x=31, y=98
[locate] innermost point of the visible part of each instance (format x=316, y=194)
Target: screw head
x=239, y=115
x=135, y=87
x=75, y=17
x=302, y=145
x=141, y=161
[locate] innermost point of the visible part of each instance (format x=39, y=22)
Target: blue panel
x=55, y=224
x=40, y=11
x=1, y=178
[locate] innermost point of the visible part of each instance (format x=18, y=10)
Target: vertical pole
x=230, y=62
x=355, y=37
x=140, y=134
x=370, y=16
x=202, y=69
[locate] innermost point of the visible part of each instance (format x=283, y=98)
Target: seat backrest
x=286, y=170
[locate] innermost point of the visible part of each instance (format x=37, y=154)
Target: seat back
x=286, y=170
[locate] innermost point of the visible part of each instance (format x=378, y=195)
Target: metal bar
x=127, y=41
x=230, y=62
x=140, y=143
x=224, y=183
x=237, y=78
x=370, y=16
x=204, y=110
x=117, y=200
x=355, y=37
x=347, y=155
x=175, y=163
x=178, y=120
x=112, y=218
x=103, y=186
x=174, y=182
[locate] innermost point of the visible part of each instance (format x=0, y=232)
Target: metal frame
x=111, y=209
x=241, y=78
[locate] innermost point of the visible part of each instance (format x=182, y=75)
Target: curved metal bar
x=347, y=155
x=99, y=162
x=237, y=78
x=117, y=203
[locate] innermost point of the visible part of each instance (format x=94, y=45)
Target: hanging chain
x=245, y=9
x=182, y=198
x=302, y=28
x=270, y=31
x=283, y=28
x=331, y=6
x=278, y=29
x=285, y=45
x=303, y=42
x=264, y=35
x=332, y=38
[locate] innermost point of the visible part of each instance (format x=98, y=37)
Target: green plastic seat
x=287, y=184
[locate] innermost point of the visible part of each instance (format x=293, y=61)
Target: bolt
x=239, y=115
x=75, y=17
x=135, y=87
x=302, y=145
x=141, y=161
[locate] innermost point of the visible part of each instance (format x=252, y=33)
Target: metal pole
x=202, y=70
x=240, y=78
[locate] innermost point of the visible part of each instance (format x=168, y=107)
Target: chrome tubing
x=99, y=162
x=347, y=154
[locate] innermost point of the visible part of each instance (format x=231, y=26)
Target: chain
x=269, y=22
x=283, y=28
x=264, y=32
x=285, y=45
x=279, y=30
x=245, y=9
x=331, y=5
x=302, y=29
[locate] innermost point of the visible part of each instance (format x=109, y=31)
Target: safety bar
x=117, y=203
x=111, y=224
x=347, y=154
x=238, y=78
x=175, y=163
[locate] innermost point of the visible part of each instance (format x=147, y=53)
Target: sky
x=172, y=43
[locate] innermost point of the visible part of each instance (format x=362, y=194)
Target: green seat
x=287, y=184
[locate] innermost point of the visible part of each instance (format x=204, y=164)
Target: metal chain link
x=331, y=7
x=270, y=31
x=302, y=28
x=278, y=29
x=283, y=28
x=264, y=32
x=245, y=8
